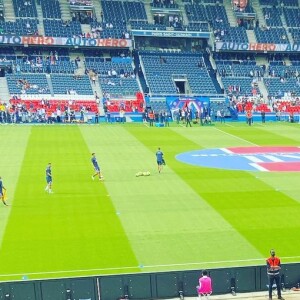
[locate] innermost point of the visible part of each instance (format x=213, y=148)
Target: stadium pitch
x=187, y=217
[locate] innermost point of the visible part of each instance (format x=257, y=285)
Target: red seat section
x=52, y=105
x=132, y=105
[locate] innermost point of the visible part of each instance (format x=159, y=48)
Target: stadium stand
x=53, y=105
x=292, y=17
x=134, y=10
x=60, y=28
x=25, y=8
x=163, y=4
x=129, y=105
x=71, y=85
x=27, y=84
x=157, y=72
x=20, y=27
x=51, y=9
x=278, y=87
x=162, y=70
x=271, y=35
x=239, y=69
x=40, y=64
x=272, y=16
x=116, y=74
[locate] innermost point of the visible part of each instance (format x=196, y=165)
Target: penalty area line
x=149, y=266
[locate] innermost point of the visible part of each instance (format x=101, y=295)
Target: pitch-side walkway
x=287, y=295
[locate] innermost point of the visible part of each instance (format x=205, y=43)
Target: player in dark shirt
x=2, y=192
x=49, y=179
x=96, y=167
x=159, y=159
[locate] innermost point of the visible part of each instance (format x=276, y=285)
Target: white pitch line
x=253, y=159
x=146, y=124
x=235, y=136
x=150, y=266
x=273, y=158
x=258, y=167
x=226, y=150
x=290, y=156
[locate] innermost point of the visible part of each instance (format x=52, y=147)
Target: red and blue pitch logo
x=264, y=159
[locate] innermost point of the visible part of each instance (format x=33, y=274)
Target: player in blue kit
x=96, y=167
x=49, y=179
x=159, y=159
x=2, y=192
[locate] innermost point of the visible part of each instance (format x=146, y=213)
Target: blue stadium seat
x=28, y=83
x=62, y=84
x=161, y=69
x=51, y=9
x=25, y=8
x=58, y=28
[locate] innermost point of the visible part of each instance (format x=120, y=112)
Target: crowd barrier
x=176, y=284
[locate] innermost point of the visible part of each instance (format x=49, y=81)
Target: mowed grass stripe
x=286, y=134
x=225, y=191
x=251, y=201
x=285, y=130
x=11, y=159
x=263, y=135
x=166, y=221
x=76, y=228
x=212, y=137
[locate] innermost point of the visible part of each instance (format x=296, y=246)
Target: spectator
x=273, y=271
x=204, y=288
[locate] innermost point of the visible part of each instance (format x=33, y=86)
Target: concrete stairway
x=98, y=9
x=251, y=36
x=41, y=29
x=4, y=92
x=97, y=89
x=230, y=13
x=182, y=9
x=260, y=61
x=9, y=10
x=85, y=28
x=259, y=13
x=65, y=10
x=263, y=90
x=48, y=78
x=149, y=12
x=81, y=67
x=289, y=35
x=219, y=79
x=81, y=71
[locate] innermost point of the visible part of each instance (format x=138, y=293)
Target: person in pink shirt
x=204, y=288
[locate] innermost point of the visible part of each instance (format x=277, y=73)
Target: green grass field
x=188, y=217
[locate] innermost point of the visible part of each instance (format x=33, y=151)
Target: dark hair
x=204, y=272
